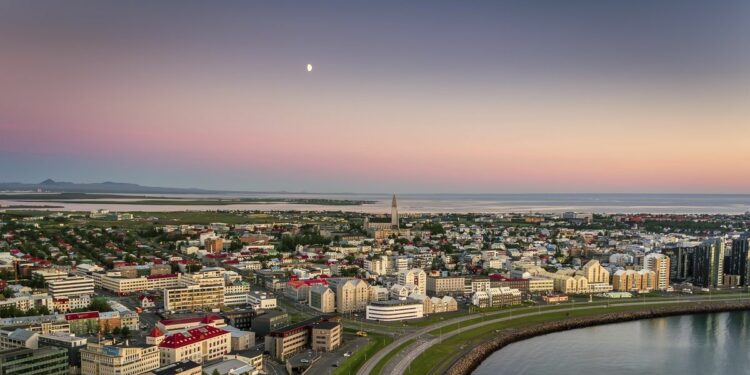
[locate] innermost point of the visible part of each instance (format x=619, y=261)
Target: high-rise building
x=681, y=257
x=739, y=260
x=660, y=264
x=708, y=265
x=394, y=213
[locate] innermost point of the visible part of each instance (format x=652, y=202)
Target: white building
x=72, y=286
x=416, y=277
x=389, y=311
x=261, y=301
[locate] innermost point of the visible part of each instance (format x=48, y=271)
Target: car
x=335, y=365
x=304, y=361
x=348, y=354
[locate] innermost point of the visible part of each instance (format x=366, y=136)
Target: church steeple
x=394, y=213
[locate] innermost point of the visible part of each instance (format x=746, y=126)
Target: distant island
x=53, y=186
x=90, y=198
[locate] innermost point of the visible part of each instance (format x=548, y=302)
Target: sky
x=409, y=97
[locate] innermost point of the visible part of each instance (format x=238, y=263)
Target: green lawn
x=352, y=364
x=379, y=367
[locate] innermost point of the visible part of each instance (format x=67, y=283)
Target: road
x=273, y=368
x=324, y=365
x=414, y=350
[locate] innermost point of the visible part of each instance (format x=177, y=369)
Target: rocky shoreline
x=469, y=362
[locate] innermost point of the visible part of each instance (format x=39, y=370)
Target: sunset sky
x=430, y=96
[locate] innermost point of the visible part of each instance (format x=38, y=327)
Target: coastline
x=469, y=362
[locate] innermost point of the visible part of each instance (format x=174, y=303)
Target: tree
x=99, y=304
x=125, y=332
x=116, y=331
x=215, y=372
x=8, y=293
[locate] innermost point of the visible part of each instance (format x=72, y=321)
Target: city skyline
x=601, y=97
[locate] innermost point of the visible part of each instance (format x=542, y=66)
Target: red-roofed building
x=83, y=323
x=147, y=302
x=200, y=345
x=299, y=289
x=213, y=320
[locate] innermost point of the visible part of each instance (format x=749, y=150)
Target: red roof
x=155, y=332
x=191, y=336
x=298, y=283
x=83, y=315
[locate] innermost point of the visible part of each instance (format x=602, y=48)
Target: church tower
x=394, y=213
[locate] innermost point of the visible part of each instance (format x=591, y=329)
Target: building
x=270, y=321
x=42, y=324
x=261, y=301
x=108, y=359
x=435, y=305
x=83, y=323
x=709, y=264
x=541, y=285
x=186, y=367
x=681, y=259
x=11, y=338
x=46, y=275
x=241, y=319
x=416, y=277
x=660, y=264
x=200, y=345
x=378, y=266
x=326, y=336
x=594, y=272
x=739, y=260
x=181, y=324
x=445, y=286
x=351, y=294
x=634, y=281
x=318, y=333
x=72, y=286
x=123, y=285
x=299, y=290
x=322, y=298
x=476, y=284
x=71, y=343
x=232, y=365
x=497, y=297
x=42, y=361
x=394, y=310
x=193, y=297
x=214, y=245
x=394, y=214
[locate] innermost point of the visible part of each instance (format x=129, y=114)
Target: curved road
x=413, y=352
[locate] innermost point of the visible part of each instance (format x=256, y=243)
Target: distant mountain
x=53, y=186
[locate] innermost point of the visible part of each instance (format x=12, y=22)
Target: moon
x=309, y=67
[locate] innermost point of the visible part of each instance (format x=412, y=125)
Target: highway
x=399, y=365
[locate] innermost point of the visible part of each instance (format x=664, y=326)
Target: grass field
x=353, y=363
